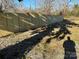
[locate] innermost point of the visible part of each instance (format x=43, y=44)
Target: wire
x=20, y=0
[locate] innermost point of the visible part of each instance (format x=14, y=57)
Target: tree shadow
x=69, y=48
x=63, y=29
x=19, y=50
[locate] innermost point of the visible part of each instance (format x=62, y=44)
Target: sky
x=26, y=3
x=74, y=2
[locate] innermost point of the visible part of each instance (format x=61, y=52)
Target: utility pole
x=30, y=5
x=35, y=4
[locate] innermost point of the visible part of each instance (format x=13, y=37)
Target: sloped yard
x=41, y=43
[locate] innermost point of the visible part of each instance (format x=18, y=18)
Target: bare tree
x=48, y=6
x=44, y=5
x=66, y=6
x=8, y=4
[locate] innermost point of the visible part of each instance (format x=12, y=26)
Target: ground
x=41, y=43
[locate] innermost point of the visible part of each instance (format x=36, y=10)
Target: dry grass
x=54, y=48
x=4, y=33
